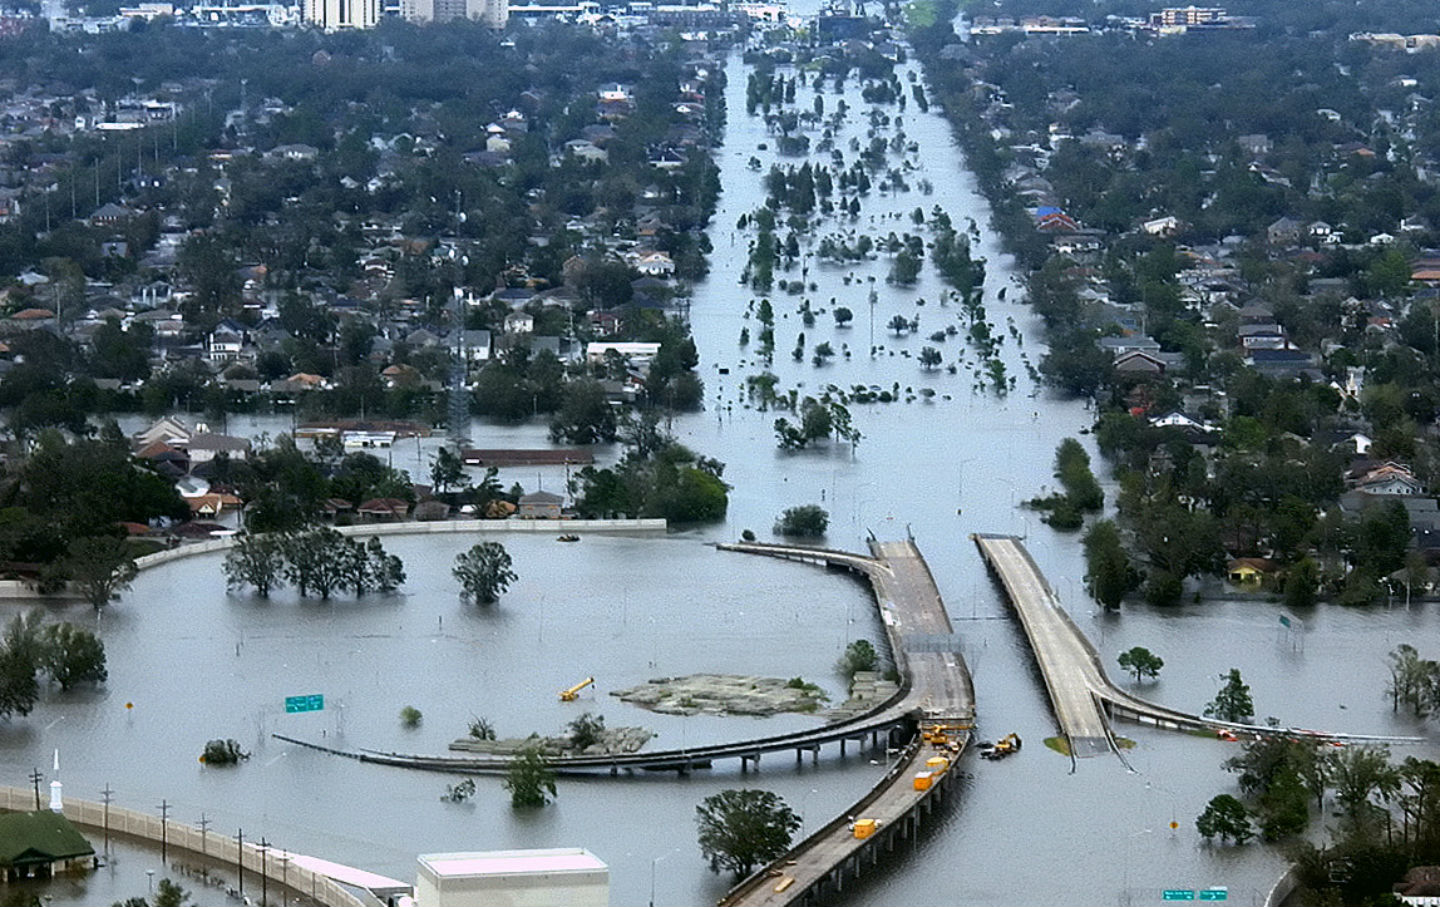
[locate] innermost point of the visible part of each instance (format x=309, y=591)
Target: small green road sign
x=1215, y=893
x=1178, y=894
x=315, y=702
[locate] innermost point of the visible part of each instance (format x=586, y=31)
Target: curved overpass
x=935, y=684
x=1083, y=697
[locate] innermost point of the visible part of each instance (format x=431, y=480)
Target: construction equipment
x=573, y=693
x=941, y=734
x=1008, y=746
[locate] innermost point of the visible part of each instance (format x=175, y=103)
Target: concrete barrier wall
x=427, y=528
x=21, y=590
x=187, y=841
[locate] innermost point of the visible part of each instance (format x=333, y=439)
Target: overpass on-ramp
x=1082, y=696
x=936, y=690
x=930, y=716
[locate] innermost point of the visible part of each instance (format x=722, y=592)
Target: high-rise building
x=494, y=13
x=336, y=14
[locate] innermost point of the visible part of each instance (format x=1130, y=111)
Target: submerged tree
x=529, y=780
x=1226, y=818
x=1141, y=662
x=255, y=560
x=484, y=572
x=1233, y=702
x=741, y=829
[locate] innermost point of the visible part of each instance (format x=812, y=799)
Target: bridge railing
x=796, y=854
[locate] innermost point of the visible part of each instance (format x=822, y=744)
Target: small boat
x=567, y=538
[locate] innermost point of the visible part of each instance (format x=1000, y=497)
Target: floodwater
x=197, y=663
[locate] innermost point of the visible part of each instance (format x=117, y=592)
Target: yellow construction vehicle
x=940, y=734
x=573, y=693
x=1008, y=746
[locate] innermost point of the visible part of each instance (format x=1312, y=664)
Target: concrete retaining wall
x=20, y=590
x=439, y=526
x=190, y=842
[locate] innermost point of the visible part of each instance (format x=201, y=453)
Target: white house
x=638, y=353
x=519, y=323
x=614, y=92
x=1162, y=226
x=1176, y=420
x=655, y=264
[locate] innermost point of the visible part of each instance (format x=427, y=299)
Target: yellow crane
x=573, y=693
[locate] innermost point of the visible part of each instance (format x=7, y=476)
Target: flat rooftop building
x=555, y=877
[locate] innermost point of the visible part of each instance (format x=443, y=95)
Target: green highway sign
x=1177, y=894
x=1217, y=893
x=312, y=703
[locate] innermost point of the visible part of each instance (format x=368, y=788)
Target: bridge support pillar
x=842, y=746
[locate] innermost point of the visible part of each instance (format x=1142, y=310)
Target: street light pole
x=653, y=863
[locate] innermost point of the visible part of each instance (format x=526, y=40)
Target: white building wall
x=584, y=883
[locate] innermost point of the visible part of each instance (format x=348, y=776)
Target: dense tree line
x=316, y=562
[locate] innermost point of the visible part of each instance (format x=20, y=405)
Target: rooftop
x=512, y=862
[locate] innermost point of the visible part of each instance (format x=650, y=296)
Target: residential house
x=203, y=446
x=1390, y=478
x=477, y=345
x=226, y=342
x=297, y=383
x=1162, y=226
x=1139, y=363
x=1129, y=343
x=1282, y=362
x=294, y=152
x=168, y=430
x=1050, y=219
x=519, y=323
x=110, y=215
x=586, y=151
x=1249, y=571
x=1283, y=231
x=1262, y=337
x=41, y=844
x=635, y=352
x=386, y=510
x=655, y=264
x=1255, y=145
x=30, y=319
x=1420, y=887
x=540, y=505
x=214, y=504
x=1178, y=419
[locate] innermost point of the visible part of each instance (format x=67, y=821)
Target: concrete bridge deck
x=1067, y=662
x=935, y=684
x=1083, y=697
x=936, y=687
x=935, y=692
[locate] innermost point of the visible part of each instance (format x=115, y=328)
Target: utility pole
x=164, y=830
x=106, y=796
x=264, y=846
x=35, y=777
x=204, y=824
x=240, y=861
